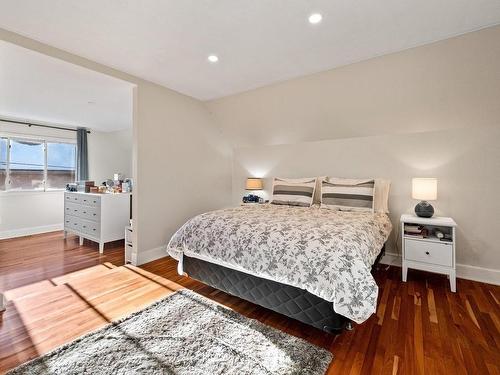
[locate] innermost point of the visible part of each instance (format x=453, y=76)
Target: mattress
x=325, y=252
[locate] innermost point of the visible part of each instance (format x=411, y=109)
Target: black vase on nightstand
x=424, y=209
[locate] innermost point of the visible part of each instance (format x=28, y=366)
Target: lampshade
x=254, y=183
x=424, y=189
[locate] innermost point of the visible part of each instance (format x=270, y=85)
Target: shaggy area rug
x=184, y=333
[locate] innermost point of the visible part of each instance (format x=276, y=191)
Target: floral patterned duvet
x=328, y=253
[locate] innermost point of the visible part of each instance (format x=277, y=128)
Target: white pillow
x=348, y=194
x=380, y=195
x=294, y=191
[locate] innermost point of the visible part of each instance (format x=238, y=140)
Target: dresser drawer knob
x=427, y=252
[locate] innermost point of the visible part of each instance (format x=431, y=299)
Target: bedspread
x=328, y=253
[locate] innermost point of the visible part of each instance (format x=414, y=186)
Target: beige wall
x=109, y=153
x=446, y=85
x=463, y=160
x=184, y=168
x=180, y=164
x=429, y=111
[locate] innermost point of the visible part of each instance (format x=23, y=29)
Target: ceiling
x=37, y=87
x=258, y=42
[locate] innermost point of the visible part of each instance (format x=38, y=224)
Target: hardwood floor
x=59, y=290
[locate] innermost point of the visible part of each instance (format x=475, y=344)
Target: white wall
x=24, y=213
x=465, y=162
x=181, y=164
x=109, y=153
x=184, y=167
x=428, y=111
x=431, y=110
x=29, y=212
x=450, y=84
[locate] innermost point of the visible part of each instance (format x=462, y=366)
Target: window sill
x=29, y=192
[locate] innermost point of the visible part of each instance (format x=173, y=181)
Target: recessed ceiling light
x=315, y=18
x=213, y=58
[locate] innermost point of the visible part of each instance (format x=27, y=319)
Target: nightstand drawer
x=429, y=252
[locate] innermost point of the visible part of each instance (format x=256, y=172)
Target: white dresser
x=97, y=217
x=430, y=253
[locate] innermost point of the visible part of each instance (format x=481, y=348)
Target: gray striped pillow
x=293, y=192
x=347, y=194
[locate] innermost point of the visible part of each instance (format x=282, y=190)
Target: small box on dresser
x=96, y=217
x=427, y=252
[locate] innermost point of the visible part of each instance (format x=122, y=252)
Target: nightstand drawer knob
x=427, y=252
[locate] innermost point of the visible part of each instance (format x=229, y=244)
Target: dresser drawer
x=79, y=225
x=429, y=252
x=71, y=209
x=91, y=213
x=90, y=200
x=73, y=223
x=83, y=211
x=85, y=199
x=91, y=227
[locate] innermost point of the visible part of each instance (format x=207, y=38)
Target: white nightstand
x=429, y=253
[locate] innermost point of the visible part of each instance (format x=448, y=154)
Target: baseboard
x=29, y=231
x=392, y=259
x=149, y=255
x=464, y=271
x=484, y=275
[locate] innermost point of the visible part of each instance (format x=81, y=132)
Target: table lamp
x=424, y=189
x=253, y=184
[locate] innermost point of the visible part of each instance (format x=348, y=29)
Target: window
x=27, y=164
x=61, y=164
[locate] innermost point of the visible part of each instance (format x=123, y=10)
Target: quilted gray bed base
x=291, y=301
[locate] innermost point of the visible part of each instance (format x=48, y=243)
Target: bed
x=309, y=263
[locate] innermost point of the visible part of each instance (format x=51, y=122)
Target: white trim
x=484, y=275
x=464, y=271
x=30, y=231
x=20, y=192
x=148, y=255
x=37, y=137
x=392, y=259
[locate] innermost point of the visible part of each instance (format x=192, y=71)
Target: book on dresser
x=96, y=217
